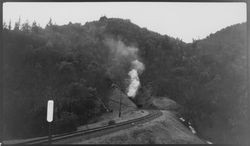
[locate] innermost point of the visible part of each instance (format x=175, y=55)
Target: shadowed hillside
x=76, y=64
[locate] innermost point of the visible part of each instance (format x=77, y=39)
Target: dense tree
x=74, y=65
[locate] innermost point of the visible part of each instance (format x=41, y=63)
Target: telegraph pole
x=120, y=107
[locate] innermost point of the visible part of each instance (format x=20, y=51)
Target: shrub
x=111, y=122
x=67, y=123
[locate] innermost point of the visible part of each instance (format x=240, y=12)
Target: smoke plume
x=137, y=68
x=120, y=51
x=122, y=55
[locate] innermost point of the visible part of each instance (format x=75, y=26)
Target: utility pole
x=120, y=103
x=120, y=107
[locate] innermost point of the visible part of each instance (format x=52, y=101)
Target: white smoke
x=137, y=68
x=120, y=55
x=119, y=50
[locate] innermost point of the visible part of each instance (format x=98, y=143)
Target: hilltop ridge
x=74, y=63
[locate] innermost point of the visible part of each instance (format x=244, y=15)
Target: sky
x=186, y=21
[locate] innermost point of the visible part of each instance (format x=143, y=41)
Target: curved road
x=95, y=132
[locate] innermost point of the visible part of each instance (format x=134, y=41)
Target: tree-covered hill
x=75, y=64
x=224, y=58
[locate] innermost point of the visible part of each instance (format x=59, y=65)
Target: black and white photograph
x=125, y=73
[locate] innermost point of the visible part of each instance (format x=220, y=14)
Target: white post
x=50, y=111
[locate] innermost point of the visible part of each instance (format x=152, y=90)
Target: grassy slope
x=166, y=129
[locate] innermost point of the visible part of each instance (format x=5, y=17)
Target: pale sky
x=177, y=19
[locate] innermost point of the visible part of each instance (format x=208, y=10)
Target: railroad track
x=55, y=138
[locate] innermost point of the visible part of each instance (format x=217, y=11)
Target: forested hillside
x=224, y=84
x=75, y=64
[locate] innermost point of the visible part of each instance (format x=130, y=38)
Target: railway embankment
x=165, y=129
